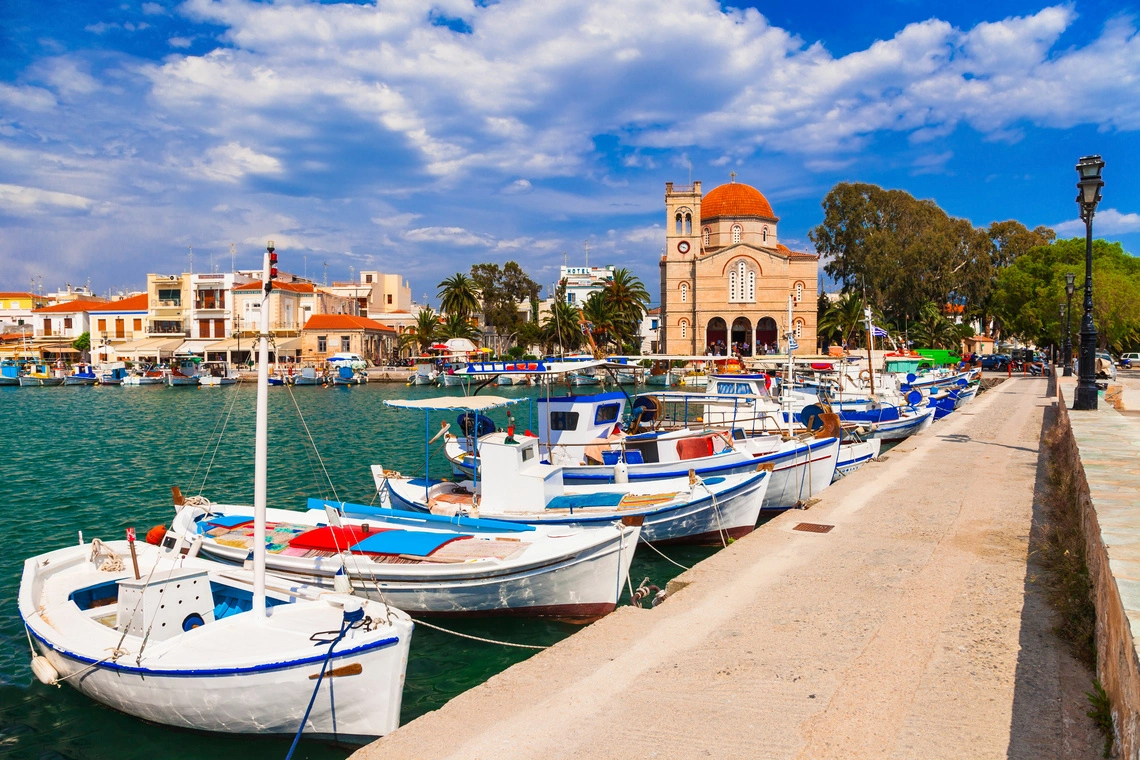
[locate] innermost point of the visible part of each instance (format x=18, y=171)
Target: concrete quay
x=913, y=629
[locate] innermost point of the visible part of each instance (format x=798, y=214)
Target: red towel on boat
x=329, y=539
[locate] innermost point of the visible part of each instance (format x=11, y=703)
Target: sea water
x=102, y=459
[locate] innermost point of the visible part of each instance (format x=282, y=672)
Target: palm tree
x=457, y=326
x=561, y=329
x=599, y=318
x=844, y=320
x=459, y=295
x=628, y=299
x=423, y=332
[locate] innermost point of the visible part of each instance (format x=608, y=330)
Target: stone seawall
x=1099, y=447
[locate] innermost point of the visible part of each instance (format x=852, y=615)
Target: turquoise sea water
x=101, y=459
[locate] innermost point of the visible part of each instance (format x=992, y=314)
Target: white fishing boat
x=855, y=454
x=424, y=373
x=428, y=564
x=217, y=374
x=309, y=376
x=113, y=374
x=39, y=374
x=345, y=374
x=185, y=375
x=174, y=639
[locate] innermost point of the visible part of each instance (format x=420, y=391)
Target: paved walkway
x=913, y=630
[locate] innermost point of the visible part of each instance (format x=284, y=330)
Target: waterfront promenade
x=914, y=628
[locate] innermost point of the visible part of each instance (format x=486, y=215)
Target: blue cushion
x=416, y=543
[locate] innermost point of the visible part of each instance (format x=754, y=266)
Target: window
x=708, y=235
x=799, y=291
x=732, y=285
x=528, y=453
x=684, y=292
x=688, y=224
x=684, y=329
x=174, y=296
x=101, y=325
x=764, y=235
x=741, y=283
x=368, y=279
x=751, y=287
x=569, y=298
x=47, y=327
x=736, y=233
x=219, y=328
x=563, y=420
x=606, y=413
x=203, y=328
x=799, y=328
x=67, y=323
x=322, y=344
x=653, y=325
x=345, y=343
x=389, y=299
x=138, y=325
x=725, y=388
x=121, y=327
x=678, y=223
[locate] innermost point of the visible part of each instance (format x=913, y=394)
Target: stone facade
x=725, y=277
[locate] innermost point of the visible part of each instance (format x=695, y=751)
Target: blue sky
x=422, y=137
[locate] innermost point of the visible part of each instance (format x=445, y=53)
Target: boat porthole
x=192, y=621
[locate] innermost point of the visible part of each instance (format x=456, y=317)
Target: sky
x=422, y=137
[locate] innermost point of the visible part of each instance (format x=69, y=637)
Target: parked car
x=1130, y=359
x=995, y=362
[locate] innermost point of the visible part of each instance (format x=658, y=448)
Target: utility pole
x=232, y=254
x=587, y=254
x=191, y=258
x=326, y=273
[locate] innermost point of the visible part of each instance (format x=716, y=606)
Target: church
x=726, y=278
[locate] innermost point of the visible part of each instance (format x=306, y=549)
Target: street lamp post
x=1061, y=326
x=1088, y=196
x=1070, y=287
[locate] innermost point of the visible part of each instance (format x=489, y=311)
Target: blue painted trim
x=468, y=523
x=609, y=396
x=209, y=672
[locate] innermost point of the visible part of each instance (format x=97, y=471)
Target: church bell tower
x=678, y=327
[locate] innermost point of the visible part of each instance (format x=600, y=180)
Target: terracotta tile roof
x=735, y=199
x=344, y=322
x=292, y=287
x=795, y=254
x=68, y=307
x=14, y=294
x=134, y=303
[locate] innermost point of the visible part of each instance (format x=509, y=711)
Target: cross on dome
x=732, y=175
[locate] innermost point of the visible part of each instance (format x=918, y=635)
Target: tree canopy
x=501, y=289
x=458, y=295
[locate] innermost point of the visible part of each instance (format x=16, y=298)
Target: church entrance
x=766, y=333
x=742, y=336
x=716, y=336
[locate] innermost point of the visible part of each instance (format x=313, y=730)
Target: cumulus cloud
x=1107, y=221
x=31, y=200
x=232, y=161
x=451, y=235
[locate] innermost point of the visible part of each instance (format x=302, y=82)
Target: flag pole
x=870, y=348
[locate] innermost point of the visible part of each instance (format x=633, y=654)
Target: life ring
x=865, y=375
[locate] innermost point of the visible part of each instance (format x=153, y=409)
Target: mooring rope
x=654, y=548
x=479, y=638
x=218, y=445
x=313, y=443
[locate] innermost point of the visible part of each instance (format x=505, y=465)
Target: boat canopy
x=539, y=367
x=452, y=403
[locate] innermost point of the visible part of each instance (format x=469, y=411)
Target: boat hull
x=854, y=455
x=33, y=382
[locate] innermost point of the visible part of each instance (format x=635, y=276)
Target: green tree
x=601, y=320
x=455, y=325
x=561, y=330
x=458, y=295
x=502, y=289
x=82, y=344
x=423, y=332
x=844, y=320
x=628, y=300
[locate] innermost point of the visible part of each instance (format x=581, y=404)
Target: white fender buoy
x=44, y=671
x=621, y=472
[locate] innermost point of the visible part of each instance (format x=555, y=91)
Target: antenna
x=191, y=258
x=564, y=257
x=587, y=254
x=326, y=273
x=352, y=274
x=231, y=257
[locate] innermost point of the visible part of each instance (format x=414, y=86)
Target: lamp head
x=1070, y=283
x=1062, y=311
x=1090, y=183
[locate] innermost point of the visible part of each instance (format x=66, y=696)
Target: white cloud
x=1108, y=221
x=27, y=98
x=232, y=161
x=518, y=186
x=932, y=163
x=450, y=235
x=25, y=200
x=179, y=42
x=395, y=220
x=101, y=27
x=153, y=9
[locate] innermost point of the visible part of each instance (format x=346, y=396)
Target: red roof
x=735, y=199
x=19, y=295
x=292, y=287
x=134, y=303
x=344, y=322
x=67, y=307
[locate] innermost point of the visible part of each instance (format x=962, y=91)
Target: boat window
x=743, y=388
x=528, y=453
x=563, y=420
x=726, y=387
x=606, y=413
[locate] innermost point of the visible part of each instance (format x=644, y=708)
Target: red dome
x=735, y=199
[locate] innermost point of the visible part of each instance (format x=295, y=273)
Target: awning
x=460, y=345
x=523, y=367
x=197, y=346
x=451, y=403
x=155, y=347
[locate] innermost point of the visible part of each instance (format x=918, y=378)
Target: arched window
x=741, y=283
x=764, y=235
x=751, y=296
x=684, y=328
x=732, y=285
x=799, y=323
x=684, y=292
x=736, y=233
x=708, y=235
x=688, y=224
x=679, y=220
x=799, y=291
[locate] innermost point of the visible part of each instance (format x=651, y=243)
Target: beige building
x=327, y=334
x=376, y=293
x=291, y=304
x=725, y=277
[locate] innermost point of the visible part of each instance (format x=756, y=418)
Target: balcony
x=165, y=328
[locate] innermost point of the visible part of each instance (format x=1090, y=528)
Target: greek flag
x=792, y=345
x=878, y=332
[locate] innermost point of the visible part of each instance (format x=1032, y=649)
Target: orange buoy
x=156, y=534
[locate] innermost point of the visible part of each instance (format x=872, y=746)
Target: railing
x=154, y=329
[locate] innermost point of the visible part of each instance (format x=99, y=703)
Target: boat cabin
x=579, y=420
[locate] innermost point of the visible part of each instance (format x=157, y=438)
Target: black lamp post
x=1088, y=195
x=1070, y=286
x=1061, y=341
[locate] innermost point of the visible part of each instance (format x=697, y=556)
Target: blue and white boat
x=113, y=374
x=9, y=372
x=81, y=374
x=175, y=639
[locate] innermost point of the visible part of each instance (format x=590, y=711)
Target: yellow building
x=16, y=308
x=726, y=278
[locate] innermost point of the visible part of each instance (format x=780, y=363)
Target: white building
x=582, y=281
x=649, y=330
